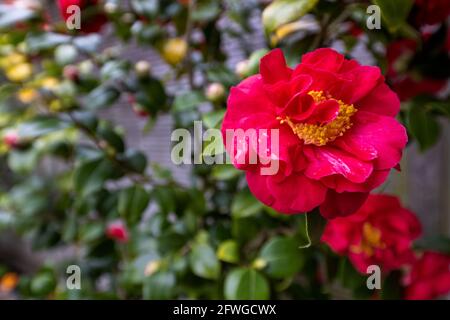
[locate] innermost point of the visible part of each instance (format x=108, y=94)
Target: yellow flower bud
x=174, y=50
x=49, y=83
x=27, y=95
x=152, y=267
x=19, y=72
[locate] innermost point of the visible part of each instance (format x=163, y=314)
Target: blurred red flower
x=405, y=82
x=338, y=137
x=380, y=233
x=429, y=277
x=92, y=20
x=117, y=231
x=431, y=11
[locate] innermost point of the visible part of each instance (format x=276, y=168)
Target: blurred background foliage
x=71, y=183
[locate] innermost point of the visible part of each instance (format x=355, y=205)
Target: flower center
x=321, y=134
x=371, y=240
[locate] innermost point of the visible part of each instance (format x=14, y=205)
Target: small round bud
x=140, y=110
x=215, y=92
x=142, y=68
x=70, y=72
x=174, y=50
x=11, y=139
x=110, y=7
x=127, y=18
x=241, y=69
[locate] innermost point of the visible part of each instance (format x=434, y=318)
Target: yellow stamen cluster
x=321, y=134
x=371, y=240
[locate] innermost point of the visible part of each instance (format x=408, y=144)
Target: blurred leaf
x=43, y=284
x=392, y=286
x=213, y=119
x=134, y=160
x=246, y=284
x=283, y=257
x=132, y=203
x=245, y=205
x=435, y=243
x=41, y=126
x=102, y=97
x=280, y=12
x=89, y=43
x=91, y=232
x=254, y=60
x=395, y=12
x=228, y=251
x=205, y=10
x=203, y=261
x=147, y=8
x=188, y=101
x=224, y=172
x=113, y=70
x=43, y=41
x=423, y=126
x=90, y=176
x=159, y=286
x=11, y=15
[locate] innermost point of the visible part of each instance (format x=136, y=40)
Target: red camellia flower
x=429, y=277
x=91, y=19
x=430, y=11
x=380, y=233
x=404, y=82
x=338, y=137
x=117, y=231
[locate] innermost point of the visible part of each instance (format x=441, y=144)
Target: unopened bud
x=215, y=92
x=241, y=69
x=142, y=68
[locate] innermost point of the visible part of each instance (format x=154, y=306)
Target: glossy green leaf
x=132, y=203
x=245, y=205
x=280, y=12
x=203, y=261
x=246, y=284
x=282, y=256
x=159, y=286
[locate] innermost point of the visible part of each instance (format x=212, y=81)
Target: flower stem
x=308, y=238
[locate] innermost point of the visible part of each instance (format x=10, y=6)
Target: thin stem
x=309, y=243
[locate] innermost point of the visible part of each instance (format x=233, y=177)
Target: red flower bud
x=117, y=231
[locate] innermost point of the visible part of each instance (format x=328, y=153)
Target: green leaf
x=254, y=61
x=423, y=126
x=132, y=203
x=205, y=10
x=40, y=126
x=103, y=96
x=11, y=15
x=213, y=119
x=392, y=286
x=148, y=8
x=188, y=101
x=89, y=43
x=134, y=160
x=159, y=286
x=394, y=13
x=280, y=12
x=203, y=261
x=91, y=232
x=90, y=176
x=436, y=243
x=43, y=41
x=283, y=257
x=246, y=284
x=245, y=205
x=224, y=172
x=228, y=251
